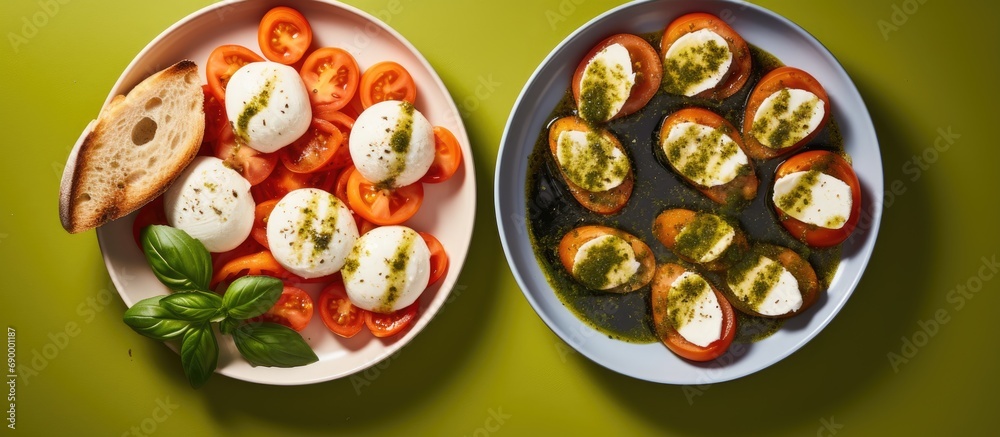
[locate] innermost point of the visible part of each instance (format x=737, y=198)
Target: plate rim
x=874, y=206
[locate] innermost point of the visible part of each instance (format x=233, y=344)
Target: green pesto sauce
x=594, y=166
x=692, y=66
x=252, y=108
x=760, y=284
x=312, y=228
x=790, y=128
x=351, y=262
x=551, y=211
x=801, y=195
x=597, y=90
x=396, y=279
x=602, y=262
x=399, y=144
x=701, y=235
x=683, y=298
x=696, y=165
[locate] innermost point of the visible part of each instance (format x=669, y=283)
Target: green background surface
x=489, y=365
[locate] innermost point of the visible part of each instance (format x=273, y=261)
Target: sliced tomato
x=604, y=202
x=282, y=181
x=260, y=216
x=247, y=247
x=255, y=166
x=772, y=82
x=331, y=76
x=223, y=62
x=645, y=64
x=739, y=70
x=215, y=117
x=383, y=206
x=338, y=313
x=386, y=81
x=385, y=325
x=150, y=214
x=315, y=150
x=834, y=165
x=259, y=263
x=284, y=35
x=329, y=113
x=805, y=276
x=669, y=224
x=665, y=276
x=577, y=237
x=439, y=258
x=293, y=309
x=447, y=157
x=743, y=188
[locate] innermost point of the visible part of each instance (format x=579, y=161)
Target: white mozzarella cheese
x=814, y=197
x=311, y=232
x=694, y=309
x=590, y=161
x=703, y=154
x=212, y=203
x=697, y=61
x=605, y=262
x=268, y=105
x=606, y=83
x=387, y=270
x=392, y=144
x=786, y=117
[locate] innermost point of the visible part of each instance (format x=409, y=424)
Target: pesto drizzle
x=251, y=109
x=790, y=128
x=603, y=260
x=700, y=164
x=312, y=228
x=701, y=235
x=396, y=279
x=692, y=65
x=596, y=165
x=399, y=144
x=683, y=299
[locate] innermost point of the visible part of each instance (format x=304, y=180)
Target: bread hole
x=152, y=161
x=135, y=177
x=143, y=131
x=153, y=103
x=83, y=197
x=114, y=164
x=167, y=118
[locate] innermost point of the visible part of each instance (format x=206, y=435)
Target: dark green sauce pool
x=552, y=211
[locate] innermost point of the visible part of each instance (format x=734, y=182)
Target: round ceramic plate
x=654, y=362
x=448, y=210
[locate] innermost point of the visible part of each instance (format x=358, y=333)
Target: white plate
x=653, y=362
x=448, y=211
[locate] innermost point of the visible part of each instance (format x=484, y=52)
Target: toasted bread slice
x=137, y=146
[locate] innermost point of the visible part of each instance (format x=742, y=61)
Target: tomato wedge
x=645, y=64
x=223, y=62
x=439, y=258
x=834, y=165
x=315, y=150
x=331, y=75
x=773, y=82
x=447, y=157
x=260, y=215
x=284, y=35
x=665, y=276
x=385, y=325
x=338, y=313
x=386, y=81
x=254, y=165
x=604, y=202
x=743, y=187
x=383, y=206
x=739, y=70
x=293, y=309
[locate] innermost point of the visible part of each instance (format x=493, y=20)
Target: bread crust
x=138, y=145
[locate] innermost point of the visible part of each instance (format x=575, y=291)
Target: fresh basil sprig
x=184, y=265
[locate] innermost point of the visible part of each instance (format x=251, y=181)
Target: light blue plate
x=653, y=362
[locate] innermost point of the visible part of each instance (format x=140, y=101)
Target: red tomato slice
x=252, y=164
x=293, y=309
x=248, y=247
x=772, y=82
x=284, y=35
x=571, y=242
x=645, y=63
x=385, y=325
x=315, y=150
x=215, y=117
x=743, y=187
x=338, y=313
x=439, y=258
x=331, y=75
x=386, y=81
x=223, y=62
x=665, y=275
x=260, y=216
x=383, y=206
x=605, y=202
x=150, y=214
x=260, y=263
x=282, y=181
x=447, y=157
x=343, y=121
x=739, y=70
x=833, y=165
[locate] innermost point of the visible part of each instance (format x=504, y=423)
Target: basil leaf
x=148, y=318
x=251, y=296
x=180, y=262
x=272, y=345
x=228, y=325
x=199, y=354
x=195, y=306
